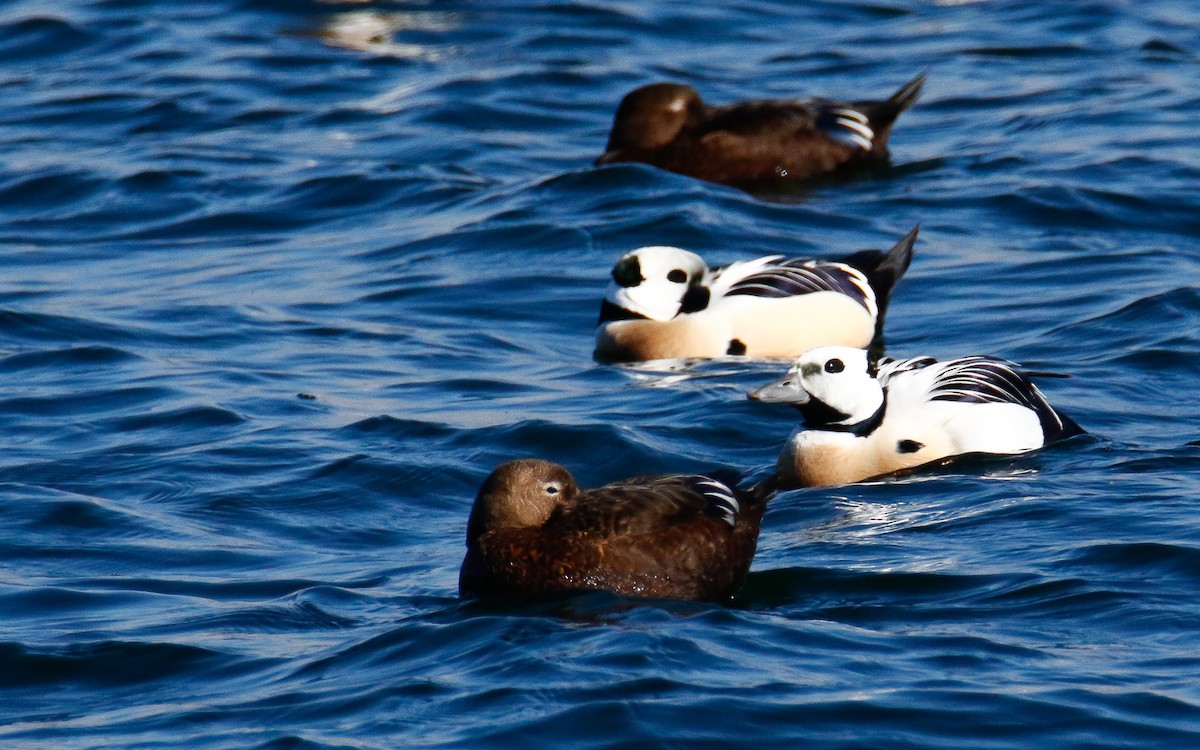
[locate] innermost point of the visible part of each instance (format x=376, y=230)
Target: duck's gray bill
x=787, y=391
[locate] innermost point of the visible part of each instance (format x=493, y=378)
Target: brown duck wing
x=770, y=117
x=642, y=505
x=780, y=139
x=793, y=123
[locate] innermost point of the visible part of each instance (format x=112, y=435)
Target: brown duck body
x=678, y=537
x=669, y=126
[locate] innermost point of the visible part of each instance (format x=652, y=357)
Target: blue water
x=283, y=281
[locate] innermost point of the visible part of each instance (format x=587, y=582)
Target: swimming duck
x=666, y=303
x=865, y=418
x=667, y=125
x=533, y=531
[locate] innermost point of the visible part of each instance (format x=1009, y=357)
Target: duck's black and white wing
x=790, y=278
x=839, y=121
x=887, y=368
x=720, y=498
x=864, y=124
x=984, y=380
x=721, y=279
x=844, y=124
x=641, y=505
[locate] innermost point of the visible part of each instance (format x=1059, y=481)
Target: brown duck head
x=651, y=117
x=519, y=494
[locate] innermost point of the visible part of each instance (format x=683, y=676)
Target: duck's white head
x=658, y=282
x=833, y=386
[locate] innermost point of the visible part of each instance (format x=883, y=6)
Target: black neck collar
x=821, y=416
x=610, y=312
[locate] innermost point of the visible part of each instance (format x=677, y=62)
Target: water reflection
x=376, y=32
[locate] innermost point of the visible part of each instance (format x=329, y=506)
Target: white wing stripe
x=863, y=143
x=856, y=127
x=720, y=500
x=852, y=114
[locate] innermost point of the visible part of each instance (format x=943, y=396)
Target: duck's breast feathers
x=799, y=276
x=698, y=335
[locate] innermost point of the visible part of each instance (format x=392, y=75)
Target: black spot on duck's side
x=736, y=348
x=909, y=446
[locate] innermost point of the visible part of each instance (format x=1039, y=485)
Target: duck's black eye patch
x=834, y=365
x=678, y=276
x=909, y=446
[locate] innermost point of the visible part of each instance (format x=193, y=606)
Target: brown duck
x=772, y=141
x=533, y=531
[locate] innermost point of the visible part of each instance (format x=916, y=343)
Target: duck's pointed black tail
x=886, y=112
x=1055, y=425
x=1061, y=428
x=884, y=270
x=907, y=94
x=882, y=114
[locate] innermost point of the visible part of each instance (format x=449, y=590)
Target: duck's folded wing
x=987, y=380
x=982, y=380
x=771, y=117
x=791, y=278
x=722, y=278
x=888, y=368
x=645, y=506
x=845, y=124
x=812, y=118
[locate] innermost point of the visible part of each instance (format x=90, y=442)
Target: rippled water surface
x=283, y=281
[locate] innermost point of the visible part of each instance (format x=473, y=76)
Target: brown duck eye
x=834, y=365
x=552, y=488
x=677, y=275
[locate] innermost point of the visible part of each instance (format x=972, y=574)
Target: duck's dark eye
x=552, y=488
x=834, y=365
x=677, y=275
